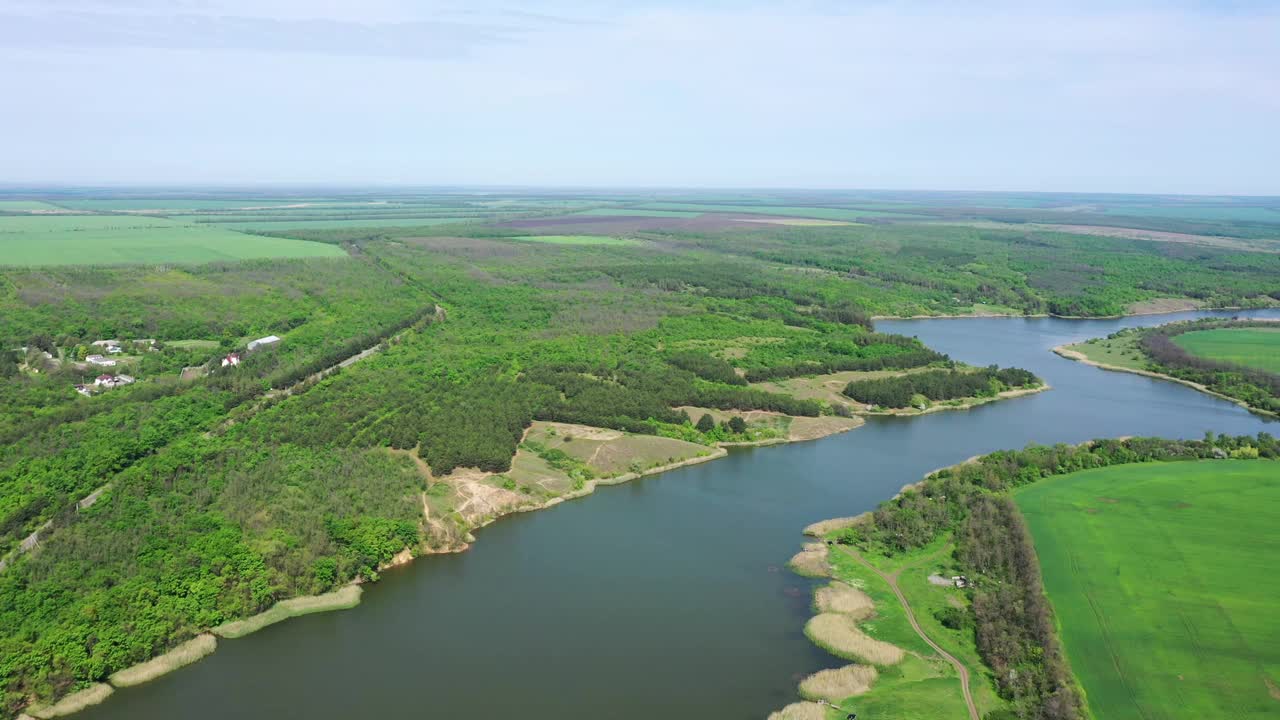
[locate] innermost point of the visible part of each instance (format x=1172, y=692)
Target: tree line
x=1012, y=620
x=935, y=385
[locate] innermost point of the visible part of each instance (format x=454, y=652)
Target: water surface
x=666, y=597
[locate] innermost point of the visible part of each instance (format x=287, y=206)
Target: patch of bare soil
x=1160, y=306
x=812, y=428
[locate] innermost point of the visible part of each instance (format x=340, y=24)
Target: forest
x=465, y=336
x=935, y=385
x=1012, y=620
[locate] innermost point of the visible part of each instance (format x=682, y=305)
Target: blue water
x=665, y=597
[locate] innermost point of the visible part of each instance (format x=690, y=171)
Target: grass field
x=1252, y=347
x=1163, y=580
x=1122, y=351
x=117, y=240
x=576, y=239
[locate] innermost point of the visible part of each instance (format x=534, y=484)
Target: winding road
x=892, y=580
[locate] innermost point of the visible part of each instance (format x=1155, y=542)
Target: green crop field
x=124, y=239
x=168, y=204
x=1252, y=347
x=24, y=205
x=1162, y=579
x=576, y=239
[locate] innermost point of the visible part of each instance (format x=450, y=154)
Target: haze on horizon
x=1100, y=97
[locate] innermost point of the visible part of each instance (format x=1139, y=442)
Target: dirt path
x=892, y=580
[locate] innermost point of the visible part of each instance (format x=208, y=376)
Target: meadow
x=1252, y=347
x=119, y=239
x=1157, y=574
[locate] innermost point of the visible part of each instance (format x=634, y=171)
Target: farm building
x=263, y=343
x=85, y=390
x=233, y=360
x=100, y=361
x=112, y=381
x=106, y=343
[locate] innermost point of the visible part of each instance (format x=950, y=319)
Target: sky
x=1121, y=96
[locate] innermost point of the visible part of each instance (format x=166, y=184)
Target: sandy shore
x=1066, y=352
x=969, y=403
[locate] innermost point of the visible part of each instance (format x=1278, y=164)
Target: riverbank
x=1136, y=313
x=1067, y=352
x=958, y=404
x=349, y=596
x=880, y=613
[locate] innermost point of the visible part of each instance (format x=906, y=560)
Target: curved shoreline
x=1065, y=351
x=968, y=404
x=348, y=596
x=1067, y=317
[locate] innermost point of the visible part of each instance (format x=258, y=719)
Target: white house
x=233, y=360
x=265, y=342
x=112, y=381
x=84, y=390
x=100, y=360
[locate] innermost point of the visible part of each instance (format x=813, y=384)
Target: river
x=666, y=597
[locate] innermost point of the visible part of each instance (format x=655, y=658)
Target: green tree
x=706, y=423
x=737, y=425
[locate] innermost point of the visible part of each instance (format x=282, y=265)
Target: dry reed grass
x=838, y=684
x=846, y=599
x=75, y=702
x=839, y=635
x=184, y=654
x=342, y=599
x=811, y=561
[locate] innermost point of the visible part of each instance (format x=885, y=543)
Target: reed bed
x=811, y=561
x=846, y=599
x=182, y=655
x=839, y=635
x=75, y=702
x=840, y=683
x=342, y=599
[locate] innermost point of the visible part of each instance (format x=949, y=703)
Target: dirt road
x=892, y=580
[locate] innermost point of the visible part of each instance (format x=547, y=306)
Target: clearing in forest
x=1159, y=576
